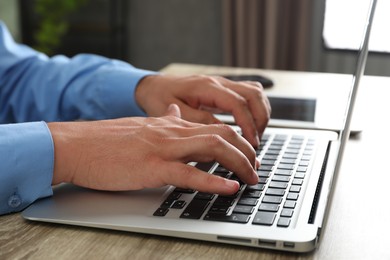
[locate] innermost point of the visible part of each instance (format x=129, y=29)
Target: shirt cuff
x=117, y=90
x=27, y=161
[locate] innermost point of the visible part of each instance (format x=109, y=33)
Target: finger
x=197, y=115
x=173, y=110
x=212, y=147
x=188, y=177
x=222, y=130
x=258, y=102
x=212, y=93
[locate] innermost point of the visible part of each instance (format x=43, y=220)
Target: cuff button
x=14, y=201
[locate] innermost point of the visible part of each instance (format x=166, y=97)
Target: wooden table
x=357, y=227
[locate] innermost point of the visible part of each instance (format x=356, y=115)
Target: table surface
x=357, y=226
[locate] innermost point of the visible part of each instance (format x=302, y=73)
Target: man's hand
x=198, y=96
x=137, y=153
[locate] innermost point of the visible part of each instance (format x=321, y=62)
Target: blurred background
x=150, y=34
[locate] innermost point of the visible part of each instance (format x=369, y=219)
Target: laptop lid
x=345, y=129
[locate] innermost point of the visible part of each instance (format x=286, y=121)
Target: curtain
x=270, y=34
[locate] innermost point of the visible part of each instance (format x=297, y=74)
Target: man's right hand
x=136, y=153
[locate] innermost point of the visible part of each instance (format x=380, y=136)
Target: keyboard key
x=281, y=137
x=266, y=167
x=251, y=194
x=281, y=178
x=290, y=155
x=221, y=169
x=270, y=157
x=265, y=137
x=283, y=222
x=302, y=169
x=167, y=203
x=178, y=204
x=161, y=212
x=297, y=182
x=304, y=164
x=263, y=174
x=180, y=190
x=294, y=146
x=235, y=218
x=288, y=161
x=204, y=196
x=278, y=185
x=248, y=201
x=257, y=187
x=275, y=192
x=195, y=209
x=174, y=195
x=243, y=209
x=298, y=137
x=283, y=172
x=299, y=175
x=292, y=196
x=225, y=201
x=272, y=152
x=295, y=188
x=219, y=209
x=221, y=174
x=204, y=166
x=264, y=218
x=287, y=212
x=290, y=204
x=286, y=166
x=272, y=199
x=269, y=207
x=268, y=162
x=263, y=180
x=292, y=151
x=235, y=178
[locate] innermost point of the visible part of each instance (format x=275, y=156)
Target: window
x=344, y=21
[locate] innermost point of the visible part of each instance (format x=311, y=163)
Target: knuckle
x=253, y=85
x=227, y=130
x=214, y=140
x=258, y=85
x=241, y=102
x=257, y=92
x=208, y=80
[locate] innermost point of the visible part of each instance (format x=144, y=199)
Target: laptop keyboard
x=273, y=201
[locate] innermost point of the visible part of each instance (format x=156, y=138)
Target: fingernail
x=257, y=163
x=232, y=185
x=257, y=140
x=256, y=177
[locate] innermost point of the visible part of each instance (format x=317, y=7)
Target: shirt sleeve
x=35, y=88
x=26, y=156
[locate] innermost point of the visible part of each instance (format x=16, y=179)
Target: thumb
x=173, y=110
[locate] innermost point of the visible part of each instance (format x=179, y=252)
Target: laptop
x=286, y=210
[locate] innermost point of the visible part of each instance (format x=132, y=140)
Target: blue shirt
x=35, y=89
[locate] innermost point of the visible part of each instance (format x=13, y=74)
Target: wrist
x=62, y=170
x=145, y=89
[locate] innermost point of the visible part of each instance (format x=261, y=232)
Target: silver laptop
x=286, y=210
